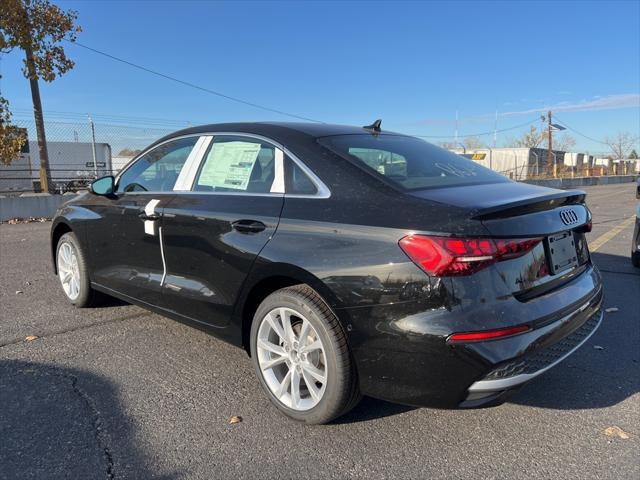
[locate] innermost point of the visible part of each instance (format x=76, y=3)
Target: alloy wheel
x=68, y=270
x=292, y=358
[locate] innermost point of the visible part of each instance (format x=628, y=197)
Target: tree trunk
x=45, y=174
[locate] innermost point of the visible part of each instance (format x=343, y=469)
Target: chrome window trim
x=147, y=150
x=192, y=192
x=323, y=191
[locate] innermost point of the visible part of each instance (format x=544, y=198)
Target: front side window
x=408, y=162
x=158, y=169
x=237, y=164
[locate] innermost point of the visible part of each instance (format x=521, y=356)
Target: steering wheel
x=132, y=187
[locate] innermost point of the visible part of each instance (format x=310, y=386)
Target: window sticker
x=229, y=165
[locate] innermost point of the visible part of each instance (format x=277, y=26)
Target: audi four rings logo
x=568, y=217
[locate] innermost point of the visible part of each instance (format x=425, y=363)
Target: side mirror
x=103, y=185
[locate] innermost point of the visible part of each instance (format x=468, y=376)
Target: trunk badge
x=568, y=217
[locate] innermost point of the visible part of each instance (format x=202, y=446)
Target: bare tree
x=531, y=139
x=449, y=145
x=564, y=142
x=129, y=152
x=621, y=144
x=473, y=143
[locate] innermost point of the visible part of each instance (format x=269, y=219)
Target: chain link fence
x=78, y=151
x=81, y=150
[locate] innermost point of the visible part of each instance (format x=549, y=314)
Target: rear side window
x=408, y=162
x=158, y=169
x=237, y=164
x=297, y=182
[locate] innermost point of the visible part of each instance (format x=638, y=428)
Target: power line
x=564, y=124
x=482, y=133
x=193, y=85
x=77, y=116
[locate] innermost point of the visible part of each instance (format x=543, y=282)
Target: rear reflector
x=448, y=256
x=487, y=334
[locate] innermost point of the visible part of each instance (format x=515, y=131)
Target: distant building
x=515, y=163
x=524, y=163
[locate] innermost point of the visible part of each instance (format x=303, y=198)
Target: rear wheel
x=301, y=357
x=635, y=259
x=73, y=271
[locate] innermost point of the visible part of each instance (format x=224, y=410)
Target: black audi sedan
x=344, y=260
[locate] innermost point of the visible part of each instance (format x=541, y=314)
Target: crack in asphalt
x=102, y=437
x=75, y=329
x=97, y=424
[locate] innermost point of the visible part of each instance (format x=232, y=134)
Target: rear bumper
x=502, y=380
x=403, y=356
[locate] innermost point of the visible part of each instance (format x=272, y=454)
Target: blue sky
x=411, y=64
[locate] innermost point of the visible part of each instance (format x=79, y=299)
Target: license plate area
x=561, y=252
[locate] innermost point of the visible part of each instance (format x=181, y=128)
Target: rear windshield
x=409, y=162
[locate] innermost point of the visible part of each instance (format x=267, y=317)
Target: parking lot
x=119, y=392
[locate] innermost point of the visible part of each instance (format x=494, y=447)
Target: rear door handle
x=248, y=226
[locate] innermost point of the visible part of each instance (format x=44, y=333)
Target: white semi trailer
x=72, y=165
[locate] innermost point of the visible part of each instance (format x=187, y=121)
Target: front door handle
x=248, y=226
x=145, y=216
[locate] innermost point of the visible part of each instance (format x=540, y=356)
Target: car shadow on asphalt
x=107, y=301
x=371, y=409
x=60, y=422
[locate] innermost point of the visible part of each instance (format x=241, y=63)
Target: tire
x=321, y=353
x=635, y=259
x=71, y=260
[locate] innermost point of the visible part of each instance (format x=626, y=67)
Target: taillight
x=448, y=256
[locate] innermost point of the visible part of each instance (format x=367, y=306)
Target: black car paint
x=208, y=259
x=122, y=257
x=396, y=317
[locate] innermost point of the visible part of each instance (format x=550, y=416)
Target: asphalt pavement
x=118, y=392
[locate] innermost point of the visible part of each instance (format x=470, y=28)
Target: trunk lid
x=517, y=210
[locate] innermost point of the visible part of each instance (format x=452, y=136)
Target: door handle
x=248, y=226
x=144, y=216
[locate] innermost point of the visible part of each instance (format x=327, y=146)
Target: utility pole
x=550, y=152
x=93, y=144
x=456, y=130
x=495, y=130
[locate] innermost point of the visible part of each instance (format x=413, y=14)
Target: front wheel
x=301, y=356
x=73, y=271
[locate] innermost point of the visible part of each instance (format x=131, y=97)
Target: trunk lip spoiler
x=535, y=204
